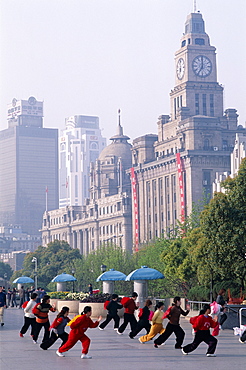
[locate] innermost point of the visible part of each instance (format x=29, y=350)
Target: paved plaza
x=112, y=351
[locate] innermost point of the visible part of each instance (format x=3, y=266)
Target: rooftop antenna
x=119, y=116
x=194, y=6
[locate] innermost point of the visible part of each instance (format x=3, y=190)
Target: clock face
x=202, y=66
x=180, y=68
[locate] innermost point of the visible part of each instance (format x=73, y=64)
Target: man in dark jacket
x=2, y=304
x=112, y=308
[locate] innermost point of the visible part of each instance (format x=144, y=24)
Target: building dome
x=118, y=148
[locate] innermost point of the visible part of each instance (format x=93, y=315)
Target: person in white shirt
x=29, y=317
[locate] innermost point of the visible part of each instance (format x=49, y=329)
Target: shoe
x=184, y=353
x=35, y=342
x=115, y=328
x=119, y=332
x=240, y=340
x=21, y=335
x=100, y=328
x=85, y=356
x=131, y=336
x=155, y=345
x=163, y=344
x=2, y=323
x=211, y=355
x=140, y=340
x=31, y=335
x=59, y=354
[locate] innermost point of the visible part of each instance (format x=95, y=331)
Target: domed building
x=106, y=218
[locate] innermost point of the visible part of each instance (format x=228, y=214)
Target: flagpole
x=46, y=199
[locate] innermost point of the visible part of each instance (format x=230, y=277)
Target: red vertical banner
x=135, y=208
x=181, y=186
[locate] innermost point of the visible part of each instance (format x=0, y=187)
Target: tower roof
x=118, y=148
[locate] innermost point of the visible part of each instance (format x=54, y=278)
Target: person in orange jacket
x=78, y=326
x=201, y=325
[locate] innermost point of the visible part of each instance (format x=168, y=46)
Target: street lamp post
x=5, y=281
x=103, y=268
x=35, y=260
x=73, y=271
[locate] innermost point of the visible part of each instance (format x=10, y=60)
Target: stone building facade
x=194, y=142
x=106, y=217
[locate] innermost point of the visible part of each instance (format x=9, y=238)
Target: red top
x=130, y=306
x=203, y=322
x=82, y=323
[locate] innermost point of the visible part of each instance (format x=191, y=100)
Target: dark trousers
x=53, y=338
x=140, y=325
x=108, y=319
x=128, y=318
x=202, y=336
x=243, y=337
x=46, y=327
x=27, y=322
x=21, y=302
x=170, y=328
x=223, y=318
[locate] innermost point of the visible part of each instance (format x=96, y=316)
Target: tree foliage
x=224, y=226
x=57, y=258
x=5, y=269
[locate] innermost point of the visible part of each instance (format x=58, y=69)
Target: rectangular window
x=204, y=104
x=175, y=109
x=197, y=103
x=212, y=105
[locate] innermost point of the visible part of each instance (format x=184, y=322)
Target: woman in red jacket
x=78, y=329
x=201, y=325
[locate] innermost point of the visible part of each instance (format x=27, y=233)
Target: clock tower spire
x=196, y=87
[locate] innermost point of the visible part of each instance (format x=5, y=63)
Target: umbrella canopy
x=145, y=273
x=112, y=275
x=62, y=278
x=23, y=280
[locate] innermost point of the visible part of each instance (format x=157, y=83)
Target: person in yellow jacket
x=156, y=326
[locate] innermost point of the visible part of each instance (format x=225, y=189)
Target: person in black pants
x=112, y=308
x=29, y=317
x=143, y=322
x=58, y=329
x=41, y=311
x=220, y=300
x=201, y=325
x=130, y=307
x=173, y=325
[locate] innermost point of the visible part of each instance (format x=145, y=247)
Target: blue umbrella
x=62, y=278
x=23, y=280
x=112, y=275
x=145, y=273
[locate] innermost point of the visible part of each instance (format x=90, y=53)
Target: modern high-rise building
x=194, y=142
x=28, y=166
x=80, y=143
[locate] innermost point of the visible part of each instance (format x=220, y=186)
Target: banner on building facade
x=135, y=208
x=181, y=185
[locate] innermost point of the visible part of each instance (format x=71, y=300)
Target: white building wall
x=79, y=144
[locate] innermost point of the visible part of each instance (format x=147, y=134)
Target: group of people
x=36, y=316
x=78, y=325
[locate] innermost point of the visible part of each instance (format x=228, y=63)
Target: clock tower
x=196, y=87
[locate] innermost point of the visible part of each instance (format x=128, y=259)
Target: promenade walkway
x=111, y=351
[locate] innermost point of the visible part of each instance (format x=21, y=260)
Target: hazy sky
x=93, y=57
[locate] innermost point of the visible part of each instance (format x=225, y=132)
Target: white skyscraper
x=79, y=144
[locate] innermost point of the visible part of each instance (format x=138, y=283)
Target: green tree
x=5, y=269
x=223, y=223
x=57, y=258
x=89, y=267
